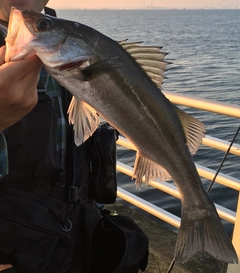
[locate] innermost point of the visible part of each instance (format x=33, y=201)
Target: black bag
x=115, y=244
x=102, y=151
x=34, y=238
x=37, y=240
x=41, y=223
x=48, y=223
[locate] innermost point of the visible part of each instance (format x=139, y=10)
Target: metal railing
x=226, y=180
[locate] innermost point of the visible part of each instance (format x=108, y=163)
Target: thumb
x=2, y=54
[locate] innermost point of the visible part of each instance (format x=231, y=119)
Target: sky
x=91, y=4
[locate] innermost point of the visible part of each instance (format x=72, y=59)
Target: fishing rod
x=212, y=182
x=171, y=266
x=219, y=168
x=224, y=158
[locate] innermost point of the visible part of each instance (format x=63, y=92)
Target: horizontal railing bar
x=207, y=140
x=221, y=145
x=171, y=189
x=149, y=207
x=222, y=179
x=222, y=108
x=226, y=213
x=163, y=186
x=126, y=143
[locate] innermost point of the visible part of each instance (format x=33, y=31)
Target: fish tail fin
x=206, y=233
x=201, y=228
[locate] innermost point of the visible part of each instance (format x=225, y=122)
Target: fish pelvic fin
x=206, y=233
x=84, y=118
x=194, y=130
x=146, y=169
x=150, y=58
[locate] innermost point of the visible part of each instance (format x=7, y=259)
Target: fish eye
x=43, y=24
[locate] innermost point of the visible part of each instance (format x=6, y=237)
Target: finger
x=30, y=66
x=31, y=81
x=20, y=69
x=28, y=84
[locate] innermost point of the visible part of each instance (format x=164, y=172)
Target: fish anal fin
x=146, y=169
x=84, y=118
x=194, y=130
x=203, y=233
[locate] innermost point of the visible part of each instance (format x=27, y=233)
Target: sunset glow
x=116, y=4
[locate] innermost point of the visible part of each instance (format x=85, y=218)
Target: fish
x=121, y=82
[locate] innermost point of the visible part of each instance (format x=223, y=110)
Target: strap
x=77, y=165
x=50, y=11
x=2, y=40
x=32, y=147
x=41, y=88
x=3, y=32
x=8, y=270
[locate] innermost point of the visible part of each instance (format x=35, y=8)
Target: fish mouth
x=17, y=42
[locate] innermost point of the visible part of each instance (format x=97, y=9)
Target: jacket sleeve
x=3, y=156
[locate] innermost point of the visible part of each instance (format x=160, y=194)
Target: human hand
x=18, y=94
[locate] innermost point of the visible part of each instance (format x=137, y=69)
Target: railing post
x=235, y=268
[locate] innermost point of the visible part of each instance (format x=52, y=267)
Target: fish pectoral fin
x=144, y=167
x=194, y=130
x=101, y=66
x=84, y=118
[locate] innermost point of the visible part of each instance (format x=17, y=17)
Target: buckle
x=73, y=194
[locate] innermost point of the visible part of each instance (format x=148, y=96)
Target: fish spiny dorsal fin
x=84, y=118
x=194, y=130
x=150, y=58
x=144, y=167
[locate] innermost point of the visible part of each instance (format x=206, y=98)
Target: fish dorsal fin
x=194, y=130
x=150, y=58
x=144, y=167
x=84, y=118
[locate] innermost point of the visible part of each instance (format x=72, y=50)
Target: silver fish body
x=105, y=78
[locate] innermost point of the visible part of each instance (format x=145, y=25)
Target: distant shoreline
x=153, y=8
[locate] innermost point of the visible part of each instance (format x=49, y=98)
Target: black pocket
x=102, y=150
x=30, y=237
x=118, y=245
